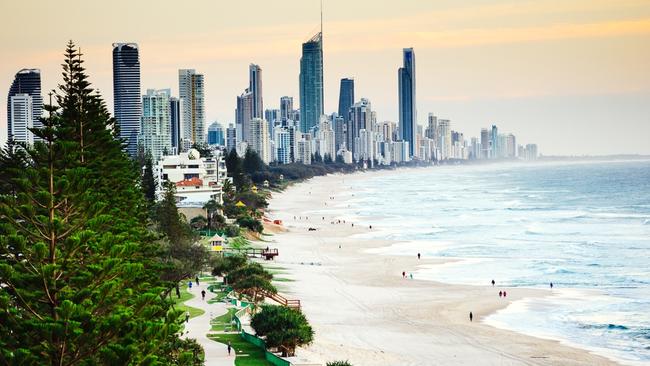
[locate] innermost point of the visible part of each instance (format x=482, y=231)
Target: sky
x=572, y=76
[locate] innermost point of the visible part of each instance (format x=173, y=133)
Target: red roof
x=192, y=182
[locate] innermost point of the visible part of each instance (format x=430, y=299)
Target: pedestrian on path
x=471, y=316
x=190, y=285
x=229, y=348
x=187, y=316
x=197, y=280
x=203, y=294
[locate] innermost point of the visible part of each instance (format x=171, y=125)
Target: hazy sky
x=570, y=75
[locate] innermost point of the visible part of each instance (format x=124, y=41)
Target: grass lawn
x=178, y=303
x=281, y=279
x=247, y=354
x=221, y=322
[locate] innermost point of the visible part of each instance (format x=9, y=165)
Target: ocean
x=584, y=226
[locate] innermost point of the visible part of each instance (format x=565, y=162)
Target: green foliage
x=199, y=222
x=252, y=162
x=225, y=265
x=247, y=354
x=338, y=363
x=203, y=149
x=81, y=283
x=149, y=184
x=251, y=224
x=282, y=327
x=182, y=253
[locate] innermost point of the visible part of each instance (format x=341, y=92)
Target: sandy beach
x=364, y=311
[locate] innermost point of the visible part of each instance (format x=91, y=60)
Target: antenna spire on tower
x=321, y=18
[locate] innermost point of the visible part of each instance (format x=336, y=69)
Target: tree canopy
x=282, y=327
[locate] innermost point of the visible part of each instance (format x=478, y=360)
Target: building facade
x=126, y=93
x=407, y=107
x=21, y=109
x=155, y=130
x=26, y=81
x=311, y=83
x=192, y=94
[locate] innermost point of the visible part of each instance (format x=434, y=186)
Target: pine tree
x=149, y=184
x=79, y=276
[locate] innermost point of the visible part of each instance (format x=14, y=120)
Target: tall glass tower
x=346, y=97
x=311, y=83
x=191, y=89
x=255, y=87
x=126, y=93
x=26, y=81
x=407, y=111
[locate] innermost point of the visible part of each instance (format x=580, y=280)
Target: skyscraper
x=485, y=143
x=231, y=137
x=360, y=118
x=26, y=81
x=216, y=134
x=258, y=139
x=286, y=109
x=21, y=111
x=156, y=126
x=407, y=110
x=175, y=113
x=191, y=89
x=126, y=93
x=494, y=142
x=244, y=114
x=346, y=97
x=311, y=83
x=255, y=87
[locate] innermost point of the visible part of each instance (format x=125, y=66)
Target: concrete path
x=216, y=354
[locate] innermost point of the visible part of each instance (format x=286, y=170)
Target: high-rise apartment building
x=244, y=114
x=346, y=97
x=175, y=117
x=156, y=127
x=192, y=94
x=21, y=109
x=26, y=81
x=494, y=142
x=485, y=143
x=255, y=87
x=216, y=134
x=311, y=83
x=258, y=139
x=286, y=109
x=407, y=108
x=231, y=137
x=360, y=117
x=126, y=93
x=444, y=139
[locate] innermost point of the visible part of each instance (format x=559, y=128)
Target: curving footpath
x=216, y=354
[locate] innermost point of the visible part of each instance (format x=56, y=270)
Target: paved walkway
x=216, y=354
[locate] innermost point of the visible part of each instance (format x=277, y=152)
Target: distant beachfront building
x=282, y=145
x=231, y=137
x=494, y=142
x=272, y=117
x=155, y=129
x=192, y=94
x=511, y=146
x=304, y=149
x=258, y=139
x=21, y=109
x=360, y=117
x=175, y=117
x=324, y=143
x=26, y=82
x=444, y=139
x=311, y=83
x=255, y=87
x=126, y=93
x=216, y=134
x=286, y=109
x=485, y=143
x=407, y=106
x=244, y=114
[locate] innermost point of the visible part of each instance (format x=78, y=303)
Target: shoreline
x=363, y=310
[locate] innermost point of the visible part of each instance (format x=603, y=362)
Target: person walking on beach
x=418, y=255
x=403, y=274
x=229, y=348
x=471, y=316
x=203, y=294
x=504, y=294
x=500, y=293
x=551, y=285
x=492, y=283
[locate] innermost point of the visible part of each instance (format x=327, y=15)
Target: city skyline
x=565, y=103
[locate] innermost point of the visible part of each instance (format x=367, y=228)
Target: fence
x=257, y=341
